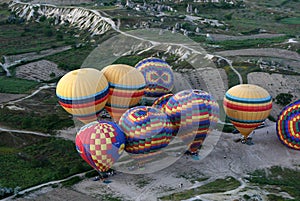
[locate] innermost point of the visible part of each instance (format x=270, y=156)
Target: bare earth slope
x=228, y=158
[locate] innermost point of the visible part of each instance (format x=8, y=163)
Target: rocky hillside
x=80, y=18
x=61, y=2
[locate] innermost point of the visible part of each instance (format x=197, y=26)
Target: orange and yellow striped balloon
x=126, y=88
x=83, y=93
x=247, y=106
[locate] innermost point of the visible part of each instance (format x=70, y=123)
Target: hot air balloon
x=213, y=111
x=247, y=106
x=100, y=144
x=145, y=129
x=126, y=88
x=160, y=103
x=83, y=93
x=158, y=75
x=288, y=125
x=189, y=112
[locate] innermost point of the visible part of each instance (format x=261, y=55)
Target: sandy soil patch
x=42, y=70
x=57, y=195
x=222, y=37
x=275, y=84
x=228, y=158
x=5, y=97
x=212, y=80
x=262, y=52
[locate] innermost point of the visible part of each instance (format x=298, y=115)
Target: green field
x=244, y=70
x=292, y=20
x=16, y=86
x=35, y=120
x=71, y=59
x=233, y=79
x=18, y=36
x=249, y=43
x=287, y=180
x=45, y=160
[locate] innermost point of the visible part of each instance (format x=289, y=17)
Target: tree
x=284, y=98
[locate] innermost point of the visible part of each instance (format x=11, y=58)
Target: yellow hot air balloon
x=83, y=93
x=247, y=106
x=126, y=88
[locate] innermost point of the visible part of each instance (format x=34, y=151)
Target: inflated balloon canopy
x=83, y=93
x=126, y=88
x=288, y=125
x=158, y=75
x=191, y=112
x=146, y=130
x=247, y=106
x=161, y=102
x=100, y=144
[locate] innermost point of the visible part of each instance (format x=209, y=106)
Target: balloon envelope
x=83, y=93
x=247, y=106
x=189, y=114
x=288, y=125
x=100, y=144
x=158, y=75
x=160, y=103
x=126, y=88
x=145, y=129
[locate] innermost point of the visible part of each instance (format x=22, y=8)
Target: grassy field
x=249, y=43
x=71, y=59
x=219, y=185
x=18, y=36
x=45, y=160
x=232, y=77
x=292, y=20
x=34, y=121
x=41, y=114
x=287, y=180
x=244, y=70
x=16, y=86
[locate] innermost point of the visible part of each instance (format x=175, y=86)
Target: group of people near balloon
x=141, y=130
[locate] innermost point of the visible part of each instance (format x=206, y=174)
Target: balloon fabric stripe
x=248, y=100
x=287, y=125
x=252, y=108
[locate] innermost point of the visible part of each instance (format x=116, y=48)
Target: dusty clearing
x=4, y=97
x=42, y=70
x=275, y=84
x=222, y=37
x=262, y=52
x=227, y=158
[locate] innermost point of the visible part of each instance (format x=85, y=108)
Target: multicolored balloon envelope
x=146, y=130
x=247, y=106
x=126, y=88
x=100, y=144
x=158, y=75
x=188, y=110
x=161, y=102
x=83, y=93
x=288, y=125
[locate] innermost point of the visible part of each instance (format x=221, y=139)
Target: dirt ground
x=226, y=158
x=4, y=97
x=42, y=70
x=262, y=52
x=275, y=84
x=222, y=37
